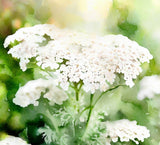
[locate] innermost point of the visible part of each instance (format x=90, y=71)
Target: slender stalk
x=88, y=107
x=92, y=106
x=77, y=88
x=89, y=114
x=77, y=95
x=76, y=91
x=105, y=93
x=90, y=110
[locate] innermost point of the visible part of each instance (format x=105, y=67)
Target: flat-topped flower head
x=126, y=130
x=149, y=87
x=76, y=57
x=31, y=92
x=11, y=140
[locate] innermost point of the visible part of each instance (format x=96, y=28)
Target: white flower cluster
x=31, y=92
x=11, y=140
x=126, y=130
x=75, y=57
x=149, y=87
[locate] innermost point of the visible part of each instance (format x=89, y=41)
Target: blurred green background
x=137, y=19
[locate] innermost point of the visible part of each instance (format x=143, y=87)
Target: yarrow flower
x=75, y=57
x=149, y=87
x=31, y=92
x=71, y=63
x=126, y=130
x=11, y=140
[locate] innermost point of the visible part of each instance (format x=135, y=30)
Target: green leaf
x=48, y=134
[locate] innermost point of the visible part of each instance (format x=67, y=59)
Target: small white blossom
x=149, y=87
x=31, y=92
x=75, y=57
x=11, y=140
x=126, y=130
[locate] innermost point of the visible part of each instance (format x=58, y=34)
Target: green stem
x=105, y=93
x=84, y=110
x=90, y=110
x=77, y=95
x=92, y=106
x=77, y=89
x=89, y=114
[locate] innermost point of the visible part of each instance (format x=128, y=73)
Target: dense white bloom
x=31, y=92
x=11, y=140
x=75, y=57
x=149, y=87
x=126, y=130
